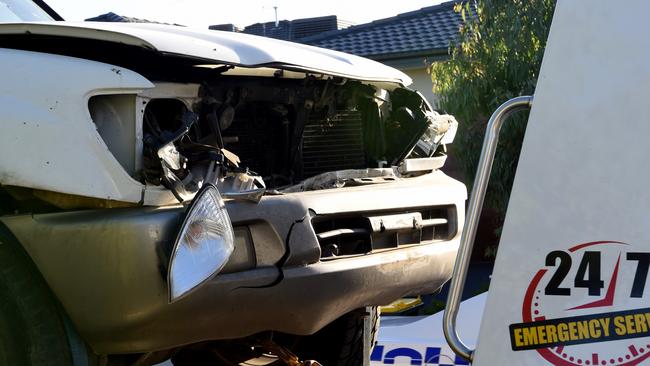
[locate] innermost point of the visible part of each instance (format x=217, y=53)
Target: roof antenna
x=277, y=22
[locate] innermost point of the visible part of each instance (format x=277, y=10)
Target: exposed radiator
x=333, y=144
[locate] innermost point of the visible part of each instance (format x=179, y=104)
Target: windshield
x=21, y=11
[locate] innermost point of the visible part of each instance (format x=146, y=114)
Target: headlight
x=441, y=131
x=204, y=243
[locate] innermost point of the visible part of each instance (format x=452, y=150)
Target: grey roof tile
x=426, y=29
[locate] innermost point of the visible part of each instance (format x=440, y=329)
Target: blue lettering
x=460, y=361
x=416, y=357
x=432, y=355
x=376, y=354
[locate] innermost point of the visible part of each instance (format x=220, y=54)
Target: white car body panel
x=47, y=135
x=219, y=47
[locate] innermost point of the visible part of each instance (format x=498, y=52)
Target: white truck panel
x=581, y=187
x=47, y=136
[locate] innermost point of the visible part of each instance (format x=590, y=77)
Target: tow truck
x=569, y=286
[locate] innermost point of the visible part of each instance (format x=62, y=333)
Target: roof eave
x=412, y=59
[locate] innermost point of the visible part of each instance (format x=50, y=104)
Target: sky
x=201, y=13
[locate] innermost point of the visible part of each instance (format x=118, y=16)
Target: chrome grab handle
x=471, y=221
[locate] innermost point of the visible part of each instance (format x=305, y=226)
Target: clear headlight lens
x=204, y=243
x=441, y=131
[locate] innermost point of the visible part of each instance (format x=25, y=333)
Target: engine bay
x=257, y=135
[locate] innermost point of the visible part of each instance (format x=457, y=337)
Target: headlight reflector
x=204, y=243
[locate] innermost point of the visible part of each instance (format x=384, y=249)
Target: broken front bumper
x=305, y=300
x=108, y=267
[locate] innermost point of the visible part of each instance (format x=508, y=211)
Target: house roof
x=424, y=32
x=290, y=30
x=112, y=17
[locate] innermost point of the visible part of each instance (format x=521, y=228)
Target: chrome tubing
x=471, y=221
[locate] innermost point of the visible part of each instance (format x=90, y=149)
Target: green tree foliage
x=497, y=57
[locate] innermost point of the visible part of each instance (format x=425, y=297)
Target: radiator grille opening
x=334, y=143
x=350, y=234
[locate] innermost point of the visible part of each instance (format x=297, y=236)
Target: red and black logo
x=585, y=296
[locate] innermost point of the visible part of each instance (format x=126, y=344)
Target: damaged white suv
x=209, y=197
